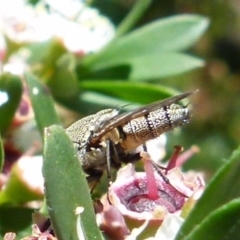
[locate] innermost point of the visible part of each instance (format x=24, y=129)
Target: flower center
x=136, y=198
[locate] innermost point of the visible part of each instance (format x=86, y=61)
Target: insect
x=107, y=139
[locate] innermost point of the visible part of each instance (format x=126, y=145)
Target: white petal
x=169, y=227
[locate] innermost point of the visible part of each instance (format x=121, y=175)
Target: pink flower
x=146, y=199
x=36, y=235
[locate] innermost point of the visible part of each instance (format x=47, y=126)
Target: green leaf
x=42, y=103
x=136, y=12
x=143, y=93
x=1, y=155
x=66, y=187
x=222, y=189
x=91, y=102
x=162, y=65
x=168, y=35
x=63, y=83
x=221, y=224
x=10, y=96
x=149, y=67
x=44, y=56
x=15, y=219
x=98, y=95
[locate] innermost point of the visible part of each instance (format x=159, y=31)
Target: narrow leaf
x=222, y=189
x=162, y=65
x=140, y=92
x=168, y=35
x=1, y=155
x=130, y=20
x=44, y=55
x=15, y=219
x=156, y=65
x=63, y=83
x=10, y=96
x=221, y=224
x=91, y=102
x=42, y=103
x=66, y=187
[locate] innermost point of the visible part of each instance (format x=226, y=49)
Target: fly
x=107, y=139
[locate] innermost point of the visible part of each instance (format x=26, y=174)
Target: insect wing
x=139, y=112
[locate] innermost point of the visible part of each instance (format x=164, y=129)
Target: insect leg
x=145, y=155
x=157, y=169
x=165, y=179
x=108, y=160
x=112, y=157
x=155, y=165
x=144, y=147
